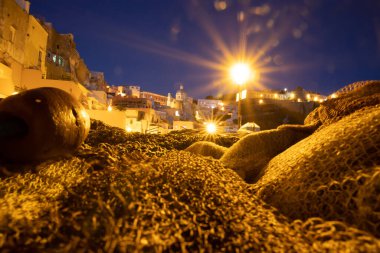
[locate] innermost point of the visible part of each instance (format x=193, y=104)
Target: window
x=39, y=58
x=244, y=94
x=13, y=34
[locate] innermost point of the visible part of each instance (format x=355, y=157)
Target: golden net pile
x=132, y=192
x=334, y=173
x=177, y=203
x=349, y=99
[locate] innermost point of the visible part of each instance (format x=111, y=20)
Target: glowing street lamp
x=211, y=128
x=240, y=73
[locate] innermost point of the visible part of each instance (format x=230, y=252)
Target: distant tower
x=181, y=94
x=169, y=101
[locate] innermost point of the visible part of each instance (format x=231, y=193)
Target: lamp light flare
x=240, y=73
x=211, y=128
x=109, y=108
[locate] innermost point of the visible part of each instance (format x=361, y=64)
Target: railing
x=153, y=129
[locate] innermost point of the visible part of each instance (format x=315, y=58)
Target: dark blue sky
x=320, y=45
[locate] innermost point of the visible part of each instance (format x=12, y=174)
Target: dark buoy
x=39, y=124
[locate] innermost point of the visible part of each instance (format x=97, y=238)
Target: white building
x=210, y=103
x=181, y=94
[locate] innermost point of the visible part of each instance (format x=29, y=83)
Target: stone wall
x=63, y=60
x=114, y=118
x=272, y=113
x=32, y=79
x=35, y=46
x=6, y=84
x=13, y=29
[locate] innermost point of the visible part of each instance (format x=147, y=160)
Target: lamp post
x=240, y=73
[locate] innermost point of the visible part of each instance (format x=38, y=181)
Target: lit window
x=13, y=34
x=237, y=97
x=244, y=94
x=39, y=58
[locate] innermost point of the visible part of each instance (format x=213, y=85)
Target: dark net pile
x=333, y=174
x=349, y=99
x=207, y=148
x=117, y=195
x=142, y=193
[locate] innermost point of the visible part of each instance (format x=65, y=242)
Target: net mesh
x=333, y=174
x=131, y=192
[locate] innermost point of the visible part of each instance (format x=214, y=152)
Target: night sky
x=320, y=45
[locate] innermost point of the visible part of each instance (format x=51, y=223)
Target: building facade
x=128, y=102
x=63, y=61
x=156, y=98
x=97, y=81
x=35, y=46
x=297, y=95
x=181, y=94
x=14, y=17
x=33, y=54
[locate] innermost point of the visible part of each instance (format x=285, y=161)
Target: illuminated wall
x=32, y=79
x=13, y=29
x=35, y=46
x=6, y=84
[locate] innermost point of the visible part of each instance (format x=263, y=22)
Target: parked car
x=248, y=128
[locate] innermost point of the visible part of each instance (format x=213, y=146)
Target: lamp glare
x=240, y=73
x=211, y=128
